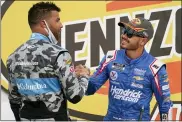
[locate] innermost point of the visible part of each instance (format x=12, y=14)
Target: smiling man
x=134, y=75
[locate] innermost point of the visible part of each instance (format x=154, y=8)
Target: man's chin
x=123, y=46
x=57, y=38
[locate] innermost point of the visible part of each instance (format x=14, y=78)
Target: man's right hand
x=81, y=70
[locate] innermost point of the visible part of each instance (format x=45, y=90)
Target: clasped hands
x=82, y=70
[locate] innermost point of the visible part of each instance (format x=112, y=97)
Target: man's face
x=130, y=40
x=54, y=24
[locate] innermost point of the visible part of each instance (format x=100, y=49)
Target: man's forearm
x=76, y=89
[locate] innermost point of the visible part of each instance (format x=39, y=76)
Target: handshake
x=82, y=70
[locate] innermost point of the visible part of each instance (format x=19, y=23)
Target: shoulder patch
x=155, y=66
x=111, y=55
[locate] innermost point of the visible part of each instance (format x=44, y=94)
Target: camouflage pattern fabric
x=42, y=79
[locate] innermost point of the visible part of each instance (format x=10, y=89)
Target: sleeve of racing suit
x=74, y=88
x=14, y=97
x=162, y=92
x=98, y=78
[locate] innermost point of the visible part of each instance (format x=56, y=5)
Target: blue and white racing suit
x=131, y=85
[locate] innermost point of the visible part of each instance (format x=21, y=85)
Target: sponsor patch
x=136, y=21
x=155, y=66
x=35, y=86
x=26, y=63
x=125, y=94
x=165, y=87
x=137, y=85
x=118, y=66
x=166, y=93
x=109, y=56
x=138, y=71
x=164, y=76
x=138, y=78
x=166, y=80
x=113, y=75
x=114, y=82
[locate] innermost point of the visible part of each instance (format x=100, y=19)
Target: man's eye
x=58, y=20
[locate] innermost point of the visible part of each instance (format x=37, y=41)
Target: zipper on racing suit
x=141, y=114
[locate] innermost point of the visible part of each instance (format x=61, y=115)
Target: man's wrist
x=84, y=76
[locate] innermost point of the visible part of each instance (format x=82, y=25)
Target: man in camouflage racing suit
x=41, y=73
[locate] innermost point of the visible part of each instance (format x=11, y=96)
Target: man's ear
x=143, y=41
x=43, y=24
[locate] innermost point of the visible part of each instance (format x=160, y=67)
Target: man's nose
x=61, y=25
x=124, y=35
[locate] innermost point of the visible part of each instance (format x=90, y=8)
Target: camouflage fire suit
x=42, y=79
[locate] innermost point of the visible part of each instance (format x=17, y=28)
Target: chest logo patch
x=138, y=71
x=118, y=66
x=113, y=75
x=138, y=78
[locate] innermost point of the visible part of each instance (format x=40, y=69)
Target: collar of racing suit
x=39, y=36
x=134, y=61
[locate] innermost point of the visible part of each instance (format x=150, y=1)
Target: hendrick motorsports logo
x=126, y=95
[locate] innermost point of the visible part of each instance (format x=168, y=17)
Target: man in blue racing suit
x=134, y=75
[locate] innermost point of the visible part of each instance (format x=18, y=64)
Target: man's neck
x=38, y=30
x=133, y=54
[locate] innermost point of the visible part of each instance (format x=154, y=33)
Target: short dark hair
x=40, y=11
